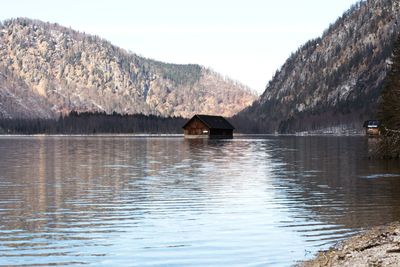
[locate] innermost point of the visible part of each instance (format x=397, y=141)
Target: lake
x=166, y=201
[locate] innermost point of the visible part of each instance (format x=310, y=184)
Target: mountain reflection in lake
x=130, y=201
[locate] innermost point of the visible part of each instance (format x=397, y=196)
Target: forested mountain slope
x=333, y=81
x=47, y=69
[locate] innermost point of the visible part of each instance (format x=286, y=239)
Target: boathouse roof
x=372, y=124
x=212, y=122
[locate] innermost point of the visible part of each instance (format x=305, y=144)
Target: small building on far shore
x=372, y=128
x=207, y=126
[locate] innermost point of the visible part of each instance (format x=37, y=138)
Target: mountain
x=332, y=82
x=47, y=69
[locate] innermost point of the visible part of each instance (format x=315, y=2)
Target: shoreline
x=179, y=134
x=93, y=135
x=377, y=246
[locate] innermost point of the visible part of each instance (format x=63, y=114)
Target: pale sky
x=247, y=40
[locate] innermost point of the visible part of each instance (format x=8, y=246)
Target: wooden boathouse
x=207, y=126
x=372, y=128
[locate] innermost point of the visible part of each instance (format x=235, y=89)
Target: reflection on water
x=173, y=202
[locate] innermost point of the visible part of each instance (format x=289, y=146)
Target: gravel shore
x=379, y=246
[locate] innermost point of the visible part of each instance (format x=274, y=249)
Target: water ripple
x=126, y=201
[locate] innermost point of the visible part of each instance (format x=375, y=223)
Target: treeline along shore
x=94, y=123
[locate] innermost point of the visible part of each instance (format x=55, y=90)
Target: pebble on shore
x=379, y=246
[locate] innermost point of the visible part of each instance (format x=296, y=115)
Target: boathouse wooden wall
x=196, y=127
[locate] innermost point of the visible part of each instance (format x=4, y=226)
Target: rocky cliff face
x=47, y=69
x=332, y=81
x=17, y=100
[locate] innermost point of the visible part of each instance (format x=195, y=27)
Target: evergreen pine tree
x=389, y=109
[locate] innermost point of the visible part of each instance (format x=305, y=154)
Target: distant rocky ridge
x=47, y=69
x=334, y=81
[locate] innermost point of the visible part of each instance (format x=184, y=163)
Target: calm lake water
x=136, y=201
